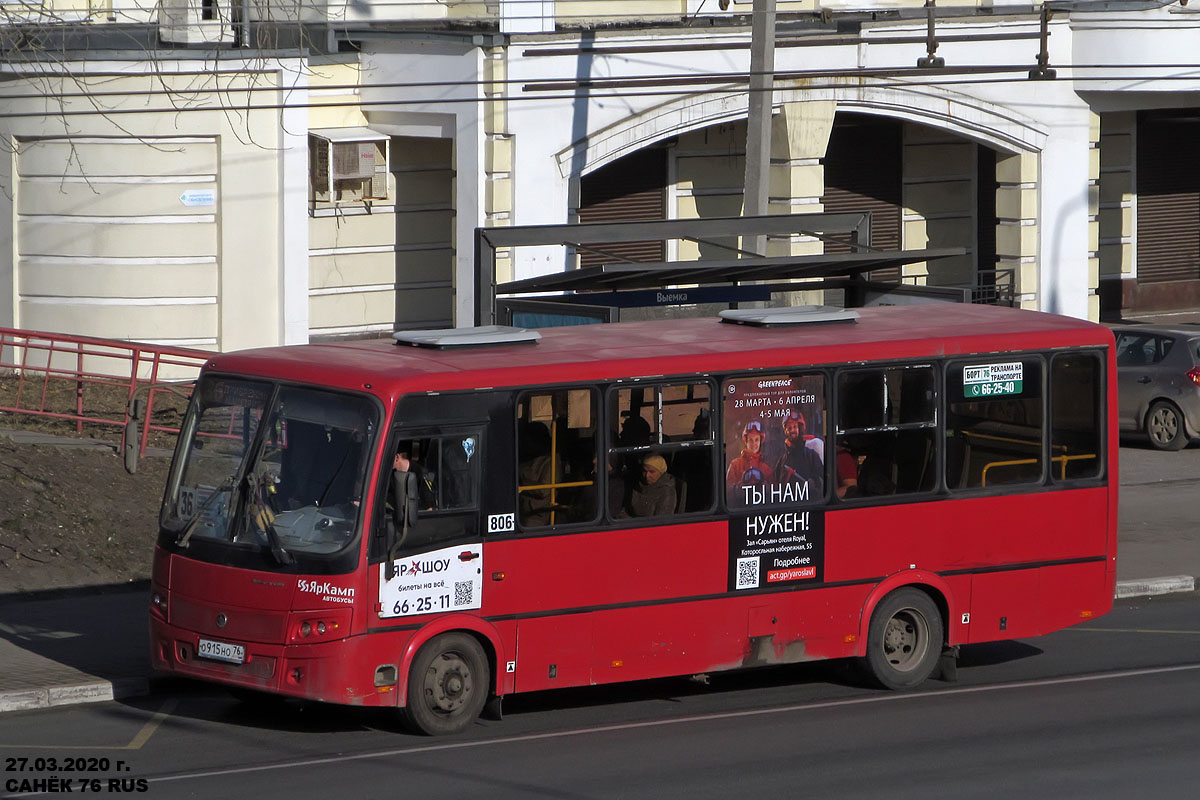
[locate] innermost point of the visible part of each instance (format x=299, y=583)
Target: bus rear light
x=317, y=626
x=1194, y=375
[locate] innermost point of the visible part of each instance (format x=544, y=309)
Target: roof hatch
x=788, y=315
x=443, y=338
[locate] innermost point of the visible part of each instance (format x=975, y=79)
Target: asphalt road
x=1107, y=709
x=1160, y=530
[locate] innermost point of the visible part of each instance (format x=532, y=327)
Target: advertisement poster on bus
x=776, y=548
x=450, y=579
x=774, y=440
x=775, y=433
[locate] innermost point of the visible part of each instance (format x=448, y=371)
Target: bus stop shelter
x=595, y=293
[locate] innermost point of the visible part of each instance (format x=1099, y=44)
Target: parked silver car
x=1158, y=380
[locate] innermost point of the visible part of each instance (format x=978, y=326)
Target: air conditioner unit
x=348, y=165
x=195, y=21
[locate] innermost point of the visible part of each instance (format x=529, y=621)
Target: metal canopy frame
x=851, y=228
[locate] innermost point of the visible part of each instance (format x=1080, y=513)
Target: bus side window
x=446, y=468
x=660, y=450
x=1076, y=423
x=994, y=424
x=557, y=481
x=886, y=423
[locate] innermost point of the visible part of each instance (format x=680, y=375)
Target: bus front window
x=222, y=424
x=294, y=487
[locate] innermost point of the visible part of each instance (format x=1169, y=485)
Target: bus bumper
x=323, y=672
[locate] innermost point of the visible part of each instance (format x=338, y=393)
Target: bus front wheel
x=447, y=685
x=904, y=640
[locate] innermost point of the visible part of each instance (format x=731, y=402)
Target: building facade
x=228, y=175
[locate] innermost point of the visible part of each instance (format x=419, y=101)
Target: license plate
x=221, y=651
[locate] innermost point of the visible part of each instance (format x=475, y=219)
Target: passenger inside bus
x=538, y=469
x=653, y=493
x=405, y=461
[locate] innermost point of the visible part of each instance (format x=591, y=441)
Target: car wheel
x=447, y=685
x=1164, y=424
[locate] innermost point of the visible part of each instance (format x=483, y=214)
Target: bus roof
x=665, y=347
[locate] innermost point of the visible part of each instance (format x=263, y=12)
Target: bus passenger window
x=446, y=468
x=557, y=482
x=1075, y=416
x=775, y=432
x=886, y=423
x=994, y=426
x=660, y=455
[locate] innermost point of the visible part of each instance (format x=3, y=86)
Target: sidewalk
x=73, y=646
x=86, y=645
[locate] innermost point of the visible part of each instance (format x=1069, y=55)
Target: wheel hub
x=448, y=683
x=1164, y=425
x=902, y=641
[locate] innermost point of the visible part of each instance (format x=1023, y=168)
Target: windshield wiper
x=263, y=517
x=282, y=555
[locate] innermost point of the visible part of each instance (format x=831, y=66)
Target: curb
x=97, y=691
x=1153, y=586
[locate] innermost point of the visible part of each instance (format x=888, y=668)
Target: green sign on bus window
x=992, y=380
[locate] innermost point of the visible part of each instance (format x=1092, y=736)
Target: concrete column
x=1063, y=247
x=1116, y=197
x=498, y=154
x=1017, y=231
x=939, y=203
x=799, y=141
x=1093, y=206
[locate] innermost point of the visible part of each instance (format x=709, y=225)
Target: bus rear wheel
x=905, y=639
x=447, y=685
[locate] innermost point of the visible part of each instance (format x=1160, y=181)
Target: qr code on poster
x=464, y=593
x=747, y=573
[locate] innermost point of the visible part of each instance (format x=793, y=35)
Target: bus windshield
x=292, y=485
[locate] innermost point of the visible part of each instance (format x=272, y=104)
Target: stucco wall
x=134, y=224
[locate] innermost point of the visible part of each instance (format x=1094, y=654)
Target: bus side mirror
x=404, y=515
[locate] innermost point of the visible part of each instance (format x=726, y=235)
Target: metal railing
x=91, y=381
x=992, y=287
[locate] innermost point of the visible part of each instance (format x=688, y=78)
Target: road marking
x=1133, y=630
x=135, y=743
x=152, y=725
x=535, y=737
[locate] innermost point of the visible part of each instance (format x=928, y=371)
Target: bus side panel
x=619, y=567
x=1074, y=593
x=553, y=652
x=1005, y=605
x=726, y=633
x=961, y=534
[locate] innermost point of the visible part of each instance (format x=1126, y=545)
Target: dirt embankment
x=73, y=517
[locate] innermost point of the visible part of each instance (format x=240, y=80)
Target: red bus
x=436, y=522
